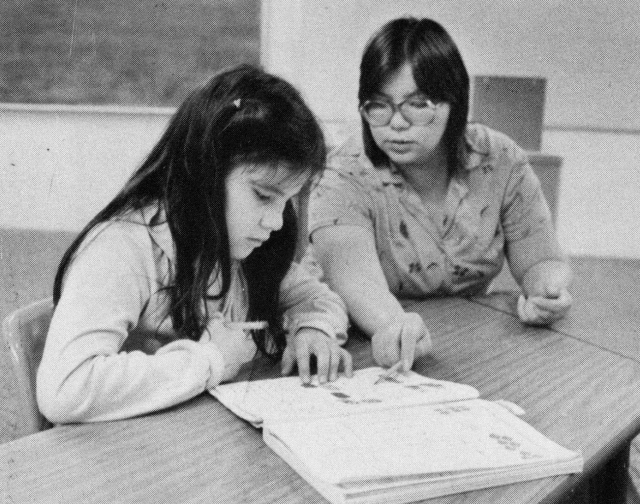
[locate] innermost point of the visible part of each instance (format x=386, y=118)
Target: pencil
x=247, y=326
x=389, y=372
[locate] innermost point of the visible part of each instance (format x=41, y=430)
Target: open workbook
x=406, y=438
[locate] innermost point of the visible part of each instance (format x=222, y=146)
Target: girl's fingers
x=347, y=363
x=334, y=362
x=322, y=359
x=302, y=358
x=288, y=361
x=328, y=355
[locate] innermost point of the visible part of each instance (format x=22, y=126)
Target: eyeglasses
x=416, y=110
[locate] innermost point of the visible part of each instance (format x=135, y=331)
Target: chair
x=25, y=331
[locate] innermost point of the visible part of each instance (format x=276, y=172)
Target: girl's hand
x=402, y=340
x=543, y=310
x=232, y=345
x=307, y=342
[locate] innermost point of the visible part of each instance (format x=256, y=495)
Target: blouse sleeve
x=340, y=198
x=526, y=218
x=83, y=375
x=307, y=302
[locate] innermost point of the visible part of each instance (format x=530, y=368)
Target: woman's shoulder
x=345, y=148
x=482, y=138
x=348, y=163
x=487, y=146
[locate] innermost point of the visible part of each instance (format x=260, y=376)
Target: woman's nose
x=398, y=121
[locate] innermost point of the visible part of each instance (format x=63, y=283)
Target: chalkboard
x=144, y=52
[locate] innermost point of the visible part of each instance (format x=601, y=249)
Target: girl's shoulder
x=135, y=230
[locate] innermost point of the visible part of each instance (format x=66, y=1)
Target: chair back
x=512, y=105
x=25, y=331
x=547, y=167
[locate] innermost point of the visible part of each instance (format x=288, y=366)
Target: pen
x=247, y=326
x=389, y=372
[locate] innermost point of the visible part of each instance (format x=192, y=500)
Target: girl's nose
x=272, y=219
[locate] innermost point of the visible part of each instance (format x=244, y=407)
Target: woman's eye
x=376, y=106
x=262, y=196
x=419, y=103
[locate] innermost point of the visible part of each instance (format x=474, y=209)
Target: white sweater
x=93, y=366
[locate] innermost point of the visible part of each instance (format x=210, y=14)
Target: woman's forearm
x=370, y=305
x=547, y=277
x=351, y=267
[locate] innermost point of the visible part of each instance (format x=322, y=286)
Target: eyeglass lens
x=379, y=113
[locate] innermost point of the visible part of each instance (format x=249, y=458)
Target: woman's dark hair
x=438, y=70
x=242, y=115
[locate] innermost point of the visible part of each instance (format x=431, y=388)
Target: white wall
x=59, y=167
x=599, y=200
x=589, y=51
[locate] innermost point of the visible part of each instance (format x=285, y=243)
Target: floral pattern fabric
x=494, y=201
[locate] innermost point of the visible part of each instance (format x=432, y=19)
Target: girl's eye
x=262, y=196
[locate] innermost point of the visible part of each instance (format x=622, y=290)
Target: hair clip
x=237, y=103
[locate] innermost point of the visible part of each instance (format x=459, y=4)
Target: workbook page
x=289, y=398
x=432, y=441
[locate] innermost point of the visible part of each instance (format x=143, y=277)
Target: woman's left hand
x=544, y=310
x=307, y=342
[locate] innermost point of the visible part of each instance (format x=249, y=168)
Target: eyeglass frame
x=397, y=107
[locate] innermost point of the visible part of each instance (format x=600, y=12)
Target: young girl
x=422, y=203
x=202, y=237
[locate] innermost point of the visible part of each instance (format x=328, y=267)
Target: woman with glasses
x=423, y=203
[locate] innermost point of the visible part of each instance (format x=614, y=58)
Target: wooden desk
x=605, y=312
x=579, y=395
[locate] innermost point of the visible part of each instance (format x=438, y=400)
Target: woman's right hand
x=404, y=339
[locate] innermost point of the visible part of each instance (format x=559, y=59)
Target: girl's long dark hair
x=241, y=115
x=438, y=70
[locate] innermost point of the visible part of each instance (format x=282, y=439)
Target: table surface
x=605, y=311
x=580, y=394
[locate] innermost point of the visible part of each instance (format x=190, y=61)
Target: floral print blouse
x=495, y=200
